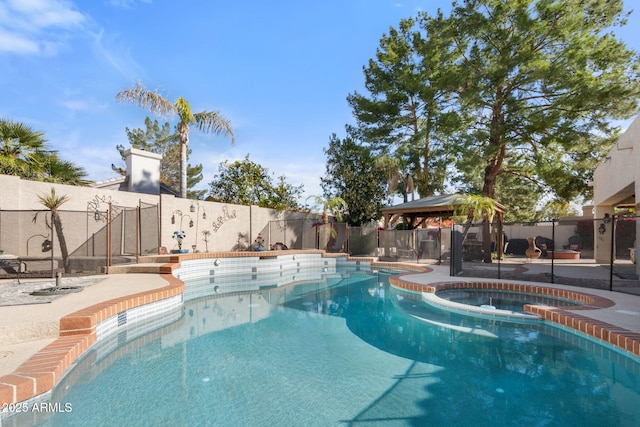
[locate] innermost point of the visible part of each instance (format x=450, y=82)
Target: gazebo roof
x=443, y=205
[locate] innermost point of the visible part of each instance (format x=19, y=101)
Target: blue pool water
x=344, y=350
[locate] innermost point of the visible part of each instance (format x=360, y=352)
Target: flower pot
x=532, y=252
x=179, y=251
x=260, y=249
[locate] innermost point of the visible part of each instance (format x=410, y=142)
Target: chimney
x=143, y=171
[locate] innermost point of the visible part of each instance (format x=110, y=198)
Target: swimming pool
x=341, y=347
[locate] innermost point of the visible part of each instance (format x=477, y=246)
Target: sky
x=280, y=71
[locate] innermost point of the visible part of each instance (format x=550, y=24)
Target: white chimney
x=143, y=171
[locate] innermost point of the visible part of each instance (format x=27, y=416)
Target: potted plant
x=179, y=236
x=258, y=244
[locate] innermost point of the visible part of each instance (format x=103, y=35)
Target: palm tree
x=476, y=207
x=53, y=202
x=333, y=205
x=23, y=153
x=207, y=121
x=326, y=233
x=61, y=171
x=399, y=179
x=20, y=148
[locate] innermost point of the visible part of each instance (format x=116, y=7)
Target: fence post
x=613, y=242
x=455, y=264
x=348, y=238
x=553, y=253
x=499, y=247
x=109, y=237
x=139, y=234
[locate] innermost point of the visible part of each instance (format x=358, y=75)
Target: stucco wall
x=230, y=227
x=618, y=177
x=616, y=181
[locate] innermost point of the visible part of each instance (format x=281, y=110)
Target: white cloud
x=36, y=26
x=117, y=57
x=15, y=43
x=126, y=4
x=82, y=105
x=46, y=13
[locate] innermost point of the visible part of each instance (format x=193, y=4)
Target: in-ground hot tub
x=499, y=300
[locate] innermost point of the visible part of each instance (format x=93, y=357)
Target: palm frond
x=52, y=201
x=410, y=184
x=214, y=122
x=20, y=148
x=393, y=183
x=151, y=101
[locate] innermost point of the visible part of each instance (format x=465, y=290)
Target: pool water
x=504, y=300
x=346, y=351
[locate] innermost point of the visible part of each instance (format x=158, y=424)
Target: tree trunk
x=183, y=129
x=57, y=224
x=486, y=241
x=493, y=168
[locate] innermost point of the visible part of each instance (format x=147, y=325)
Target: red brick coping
x=44, y=369
x=569, y=317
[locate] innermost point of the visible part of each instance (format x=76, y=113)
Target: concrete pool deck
x=38, y=342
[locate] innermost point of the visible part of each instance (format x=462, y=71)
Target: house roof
x=443, y=205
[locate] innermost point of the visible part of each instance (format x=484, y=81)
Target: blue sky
x=279, y=70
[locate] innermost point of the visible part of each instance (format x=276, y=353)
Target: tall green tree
x=161, y=140
x=245, y=182
x=352, y=174
x=407, y=108
x=525, y=89
x=23, y=152
x=543, y=79
x=521, y=196
x=206, y=121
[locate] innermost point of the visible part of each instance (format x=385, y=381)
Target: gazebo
x=417, y=211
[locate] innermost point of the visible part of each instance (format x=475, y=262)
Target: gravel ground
x=14, y=293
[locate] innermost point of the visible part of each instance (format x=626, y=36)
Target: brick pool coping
x=569, y=317
x=42, y=371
